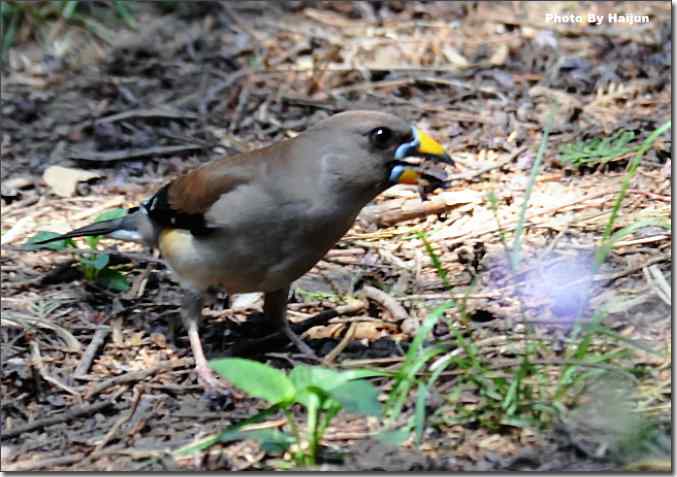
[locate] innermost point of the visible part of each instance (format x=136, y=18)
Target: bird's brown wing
x=183, y=202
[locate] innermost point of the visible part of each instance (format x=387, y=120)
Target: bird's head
x=377, y=146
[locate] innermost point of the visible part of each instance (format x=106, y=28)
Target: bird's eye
x=381, y=137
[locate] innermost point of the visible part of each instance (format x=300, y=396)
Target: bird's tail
x=124, y=228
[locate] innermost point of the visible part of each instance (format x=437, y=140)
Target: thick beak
x=422, y=146
x=431, y=149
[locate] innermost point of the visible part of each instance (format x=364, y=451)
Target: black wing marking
x=161, y=212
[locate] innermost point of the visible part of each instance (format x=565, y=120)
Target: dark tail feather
x=126, y=225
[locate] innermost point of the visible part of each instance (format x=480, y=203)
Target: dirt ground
x=199, y=80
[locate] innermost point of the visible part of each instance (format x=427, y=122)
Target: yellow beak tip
x=429, y=147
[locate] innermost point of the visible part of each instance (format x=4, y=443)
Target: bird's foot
x=305, y=350
x=210, y=381
x=218, y=392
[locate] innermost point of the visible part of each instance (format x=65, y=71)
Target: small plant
x=321, y=392
x=29, y=17
x=407, y=377
x=533, y=393
x=313, y=296
x=608, y=239
x=94, y=265
x=597, y=151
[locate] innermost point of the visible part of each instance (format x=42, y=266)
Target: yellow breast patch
x=174, y=242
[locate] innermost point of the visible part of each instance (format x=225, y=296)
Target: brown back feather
x=195, y=192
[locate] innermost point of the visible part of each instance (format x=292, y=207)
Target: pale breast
x=258, y=259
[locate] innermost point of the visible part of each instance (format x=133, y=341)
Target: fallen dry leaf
x=64, y=180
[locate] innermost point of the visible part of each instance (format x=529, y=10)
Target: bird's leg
x=190, y=314
x=275, y=309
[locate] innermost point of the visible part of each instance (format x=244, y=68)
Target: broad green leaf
x=44, y=235
x=359, y=397
x=113, y=280
x=326, y=379
x=111, y=214
x=303, y=377
x=88, y=270
x=257, y=379
x=101, y=261
x=307, y=395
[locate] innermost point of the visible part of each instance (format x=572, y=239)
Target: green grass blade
x=9, y=34
x=419, y=413
x=631, y=171
x=535, y=170
x=69, y=8
x=437, y=263
x=213, y=439
x=124, y=12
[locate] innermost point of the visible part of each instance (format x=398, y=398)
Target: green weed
x=94, y=265
x=322, y=393
x=31, y=17
x=608, y=239
x=533, y=393
x=407, y=377
x=516, y=254
x=597, y=151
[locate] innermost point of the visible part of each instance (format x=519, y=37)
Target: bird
x=259, y=220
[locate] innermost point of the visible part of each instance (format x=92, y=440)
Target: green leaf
x=303, y=376
x=631, y=170
x=426, y=328
x=258, y=380
x=605, y=247
x=271, y=440
x=359, y=397
x=521, y=422
x=516, y=255
x=101, y=261
x=314, y=402
x=330, y=408
x=57, y=245
x=9, y=32
x=124, y=12
x=69, y=8
x=437, y=263
x=111, y=214
x=419, y=414
x=353, y=374
x=415, y=358
x=92, y=241
x=113, y=280
x=394, y=438
x=213, y=439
